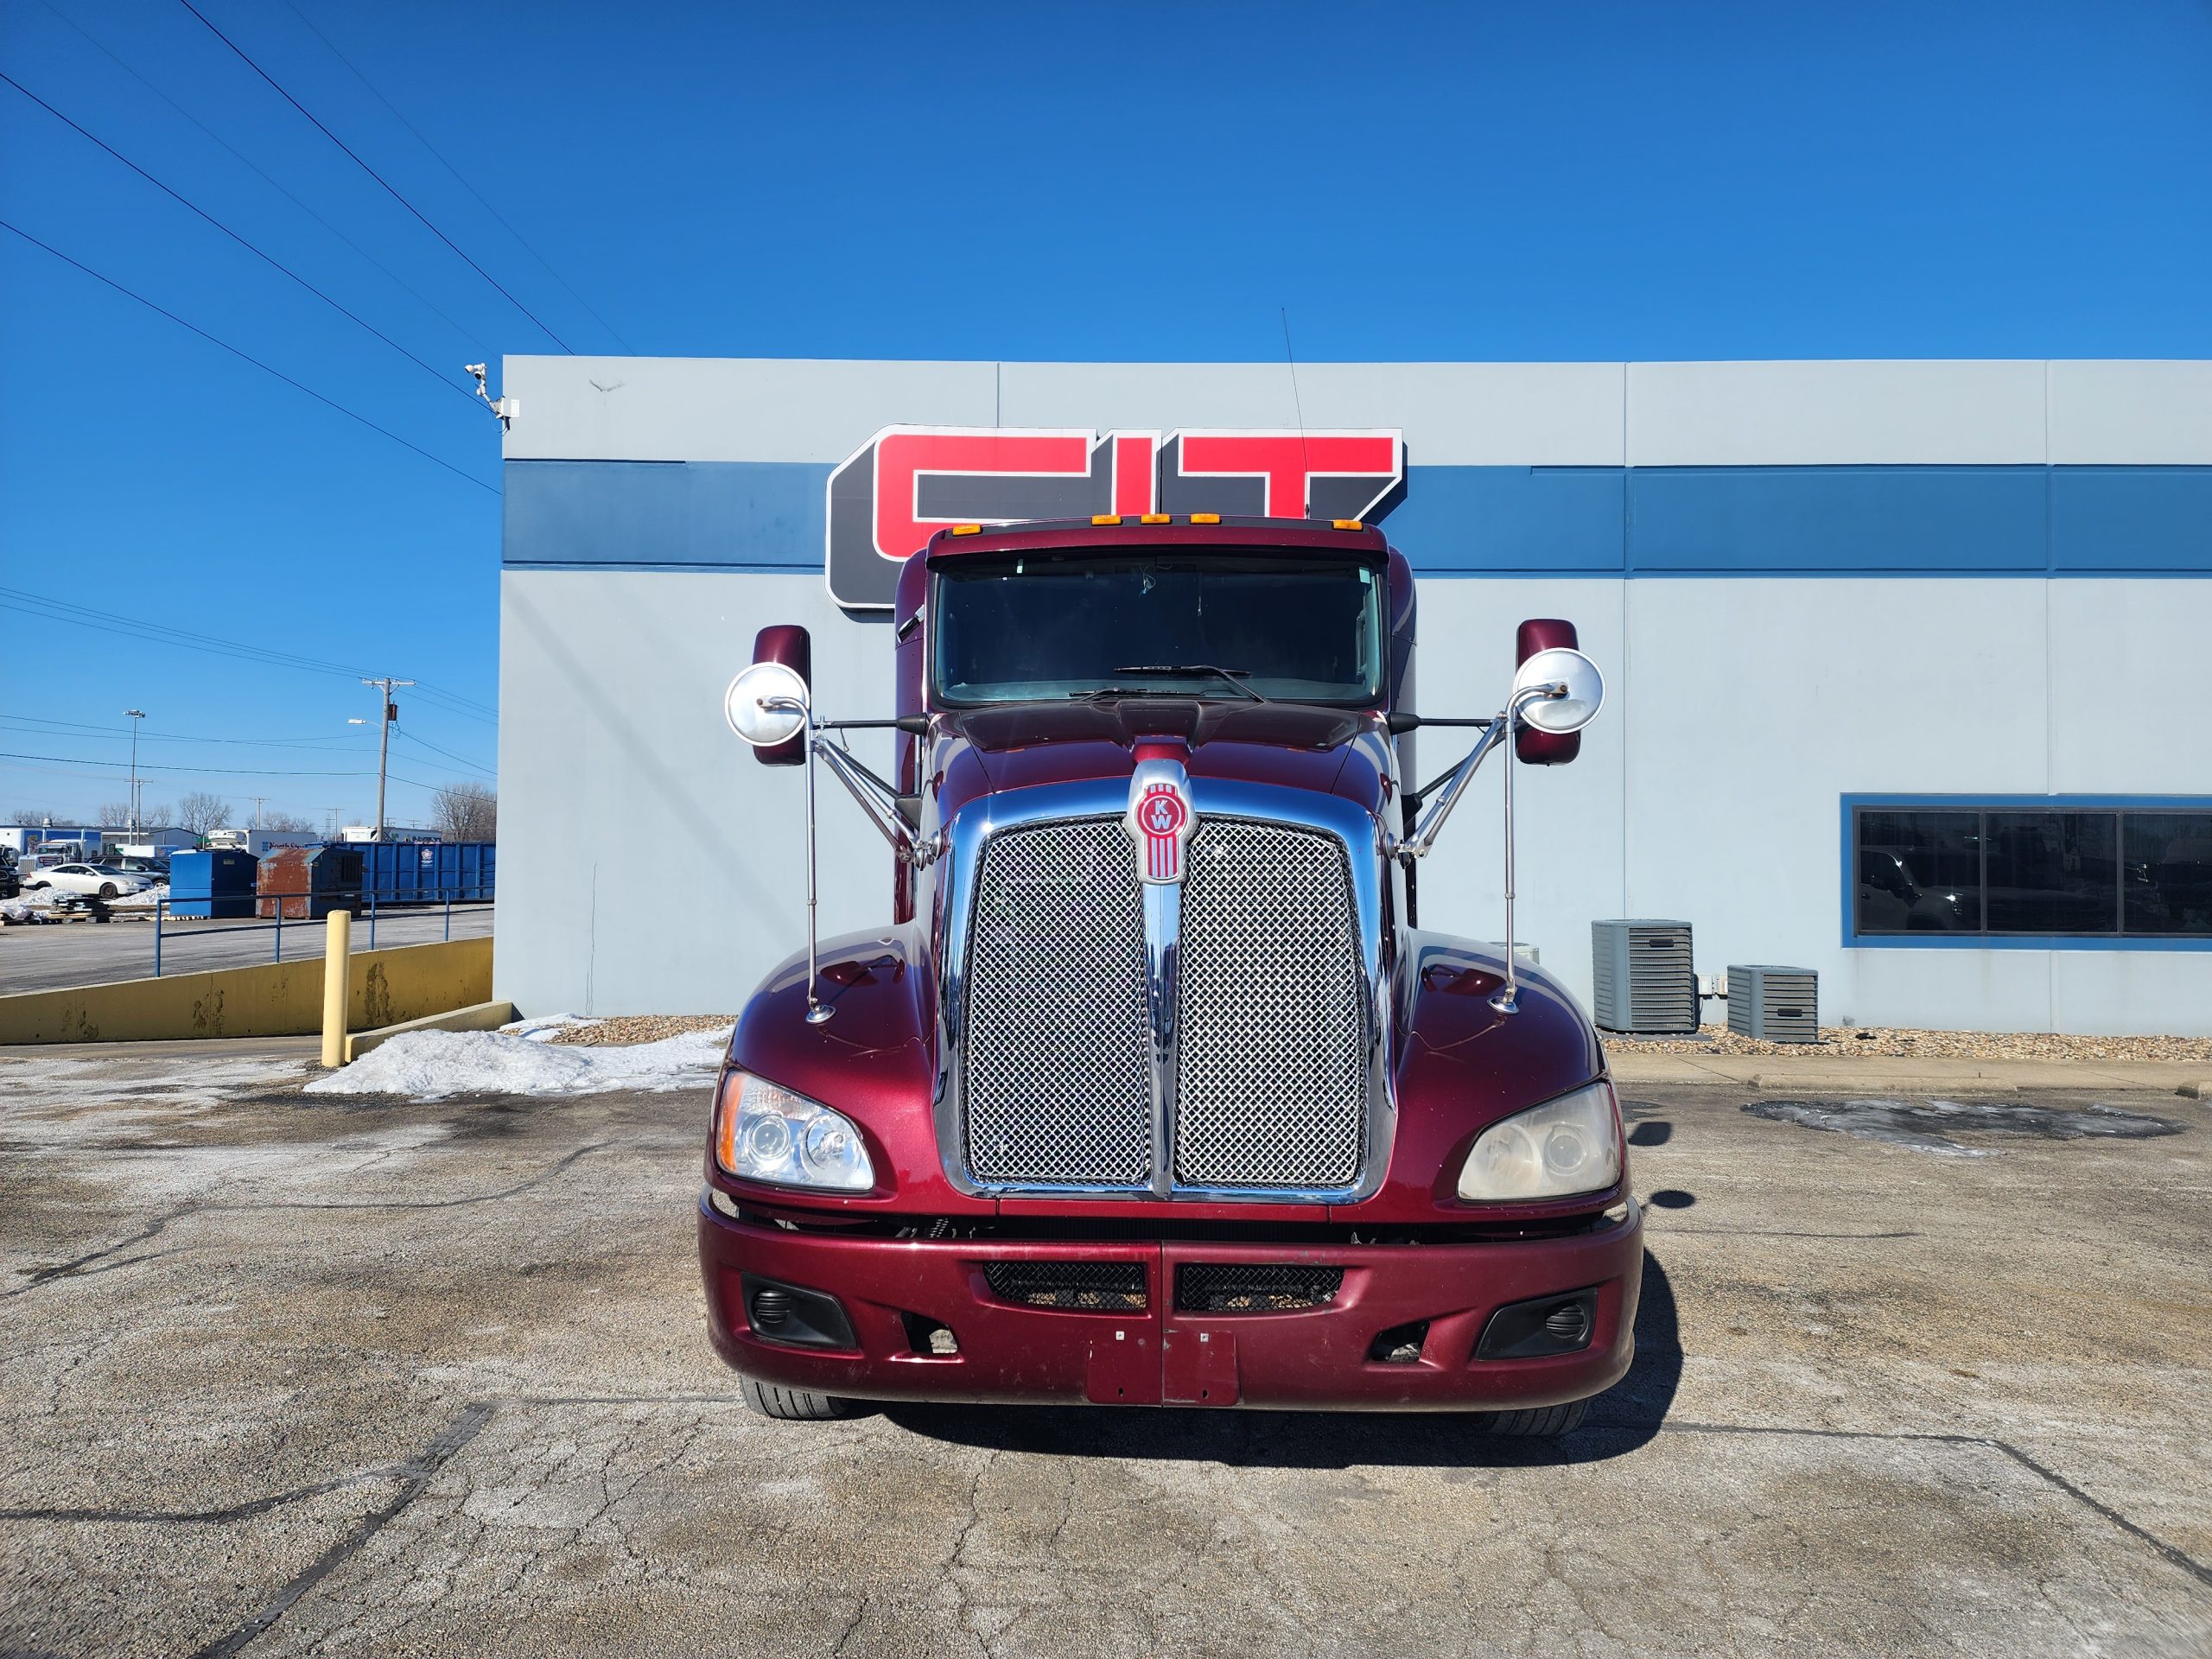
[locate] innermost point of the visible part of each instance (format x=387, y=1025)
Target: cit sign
x=908, y=482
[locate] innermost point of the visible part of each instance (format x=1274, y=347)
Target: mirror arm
x=1424, y=836
x=881, y=803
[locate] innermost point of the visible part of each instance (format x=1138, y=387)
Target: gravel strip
x=1888, y=1043
x=624, y=1030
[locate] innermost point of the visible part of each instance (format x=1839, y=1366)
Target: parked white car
x=100, y=880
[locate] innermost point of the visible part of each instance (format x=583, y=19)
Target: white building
x=1907, y=661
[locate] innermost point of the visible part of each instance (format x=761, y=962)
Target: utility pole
x=257, y=800
x=384, y=739
x=134, y=716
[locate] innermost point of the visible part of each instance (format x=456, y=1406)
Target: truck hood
x=1330, y=751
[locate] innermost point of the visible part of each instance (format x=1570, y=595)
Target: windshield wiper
x=1232, y=677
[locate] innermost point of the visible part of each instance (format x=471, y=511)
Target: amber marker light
x=1206, y=517
x=1347, y=524
x=1105, y=518
x=967, y=530
x=1152, y=518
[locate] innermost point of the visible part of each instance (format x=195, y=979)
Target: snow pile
x=145, y=899
x=431, y=1065
x=546, y=1027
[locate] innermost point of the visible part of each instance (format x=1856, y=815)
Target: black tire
x=795, y=1405
x=1544, y=1423
x=34, y=886
x=107, y=889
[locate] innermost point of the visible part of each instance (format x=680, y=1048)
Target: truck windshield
x=1045, y=627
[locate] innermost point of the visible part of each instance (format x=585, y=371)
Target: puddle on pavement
x=1929, y=1125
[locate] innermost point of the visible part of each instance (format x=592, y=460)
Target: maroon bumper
x=1317, y=1358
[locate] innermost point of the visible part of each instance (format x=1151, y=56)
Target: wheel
x=107, y=889
x=795, y=1405
x=34, y=886
x=1544, y=1423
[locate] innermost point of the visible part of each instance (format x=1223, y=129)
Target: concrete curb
x=1827, y=1074
x=478, y=1016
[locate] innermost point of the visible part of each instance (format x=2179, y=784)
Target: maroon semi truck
x=1153, y=1091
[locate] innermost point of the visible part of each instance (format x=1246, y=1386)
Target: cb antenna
x=1305, y=460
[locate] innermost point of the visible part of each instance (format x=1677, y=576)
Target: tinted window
x=2059, y=872
x=2054, y=872
x=1919, y=872
x=1054, y=626
x=2168, y=870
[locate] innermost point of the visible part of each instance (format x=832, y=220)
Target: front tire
x=1544, y=1423
x=107, y=889
x=795, y=1405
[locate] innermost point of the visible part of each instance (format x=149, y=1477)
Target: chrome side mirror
x=769, y=704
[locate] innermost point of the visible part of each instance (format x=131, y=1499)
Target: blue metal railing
x=359, y=901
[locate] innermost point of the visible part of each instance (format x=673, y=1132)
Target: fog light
x=1569, y=1325
x=771, y=1308
x=1548, y=1325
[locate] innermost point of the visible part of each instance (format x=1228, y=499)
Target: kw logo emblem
x=908, y=482
x=1159, y=820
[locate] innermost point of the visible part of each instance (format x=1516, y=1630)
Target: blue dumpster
x=426, y=872
x=211, y=884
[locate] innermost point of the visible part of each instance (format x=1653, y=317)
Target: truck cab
x=1152, y=1091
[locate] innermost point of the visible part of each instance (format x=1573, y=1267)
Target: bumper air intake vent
x=1239, y=1287
x=1099, y=1286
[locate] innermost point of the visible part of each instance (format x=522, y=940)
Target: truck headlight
x=1564, y=1147
x=765, y=1133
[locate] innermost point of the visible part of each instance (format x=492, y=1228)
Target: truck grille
x=1272, y=1089
x=1058, y=1075
x=1272, y=1011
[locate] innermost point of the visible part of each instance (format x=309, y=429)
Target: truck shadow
x=1620, y=1421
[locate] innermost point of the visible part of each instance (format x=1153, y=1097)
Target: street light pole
x=384, y=739
x=134, y=716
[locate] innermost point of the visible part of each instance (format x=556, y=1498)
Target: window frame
x=2117, y=805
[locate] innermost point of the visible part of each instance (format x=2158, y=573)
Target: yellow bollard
x=337, y=964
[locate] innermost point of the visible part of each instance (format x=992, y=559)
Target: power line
x=463, y=182
x=79, y=730
x=247, y=162
x=462, y=761
x=283, y=658
x=269, y=258
x=221, y=771
x=463, y=705
x=246, y=357
x=374, y=173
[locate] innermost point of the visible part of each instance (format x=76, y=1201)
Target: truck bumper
x=1437, y=1298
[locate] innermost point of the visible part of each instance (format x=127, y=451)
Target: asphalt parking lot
x=290, y=1375
x=56, y=955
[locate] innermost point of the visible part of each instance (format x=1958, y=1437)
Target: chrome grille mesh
x=1057, y=1087
x=1272, y=1086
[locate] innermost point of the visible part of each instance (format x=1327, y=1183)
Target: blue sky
x=1531, y=181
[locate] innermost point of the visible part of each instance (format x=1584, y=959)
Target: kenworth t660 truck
x=1153, y=1091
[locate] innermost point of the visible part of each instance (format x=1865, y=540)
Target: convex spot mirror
x=1584, y=693
x=765, y=705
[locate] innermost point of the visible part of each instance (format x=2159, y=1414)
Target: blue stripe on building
x=1546, y=521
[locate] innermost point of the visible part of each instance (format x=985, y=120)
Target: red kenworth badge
x=1160, y=819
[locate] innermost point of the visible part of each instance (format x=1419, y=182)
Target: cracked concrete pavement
x=284, y=1375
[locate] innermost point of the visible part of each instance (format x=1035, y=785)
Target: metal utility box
x=1779, y=1005
x=309, y=882
x=211, y=884
x=1642, y=975
x=424, y=872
